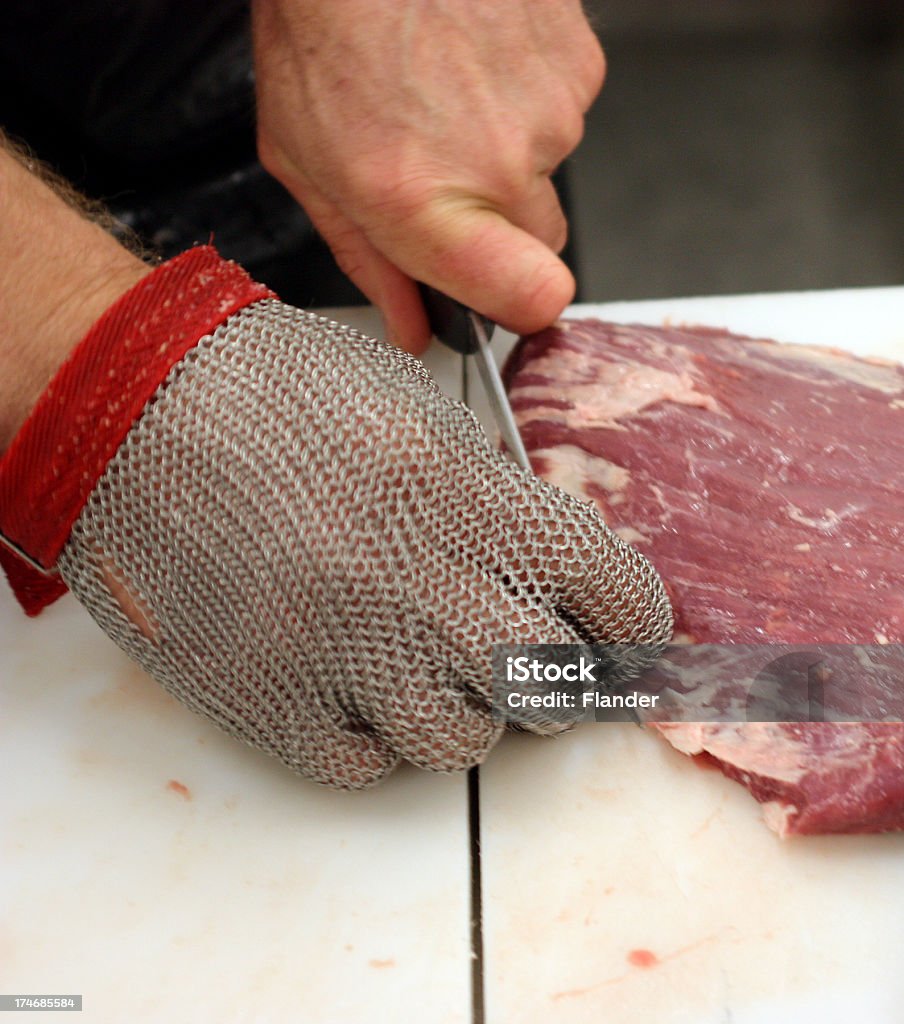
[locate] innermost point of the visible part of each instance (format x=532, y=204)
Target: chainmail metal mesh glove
x=302, y=538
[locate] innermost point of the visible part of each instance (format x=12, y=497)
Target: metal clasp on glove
x=14, y=548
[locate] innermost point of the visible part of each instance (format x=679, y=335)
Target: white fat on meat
x=573, y=469
x=868, y=373
x=601, y=393
x=759, y=748
x=778, y=816
x=827, y=522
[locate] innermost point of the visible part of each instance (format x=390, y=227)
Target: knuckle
x=569, y=131
x=512, y=162
x=400, y=192
x=560, y=130
x=589, y=68
x=594, y=69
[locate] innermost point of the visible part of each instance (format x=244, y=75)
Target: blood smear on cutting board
x=642, y=958
x=180, y=788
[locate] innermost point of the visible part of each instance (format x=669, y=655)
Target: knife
x=467, y=332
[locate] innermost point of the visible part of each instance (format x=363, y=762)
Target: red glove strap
x=62, y=449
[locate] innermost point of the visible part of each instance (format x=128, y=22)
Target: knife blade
x=465, y=331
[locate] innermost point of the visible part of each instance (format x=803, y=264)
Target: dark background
x=738, y=145
x=742, y=145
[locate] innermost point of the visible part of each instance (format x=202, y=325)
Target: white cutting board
x=262, y=898
x=606, y=842
x=170, y=874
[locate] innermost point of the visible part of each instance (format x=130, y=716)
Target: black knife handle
x=450, y=321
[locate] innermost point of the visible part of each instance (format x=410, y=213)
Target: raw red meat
x=766, y=483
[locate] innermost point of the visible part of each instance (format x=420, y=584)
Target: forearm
x=58, y=272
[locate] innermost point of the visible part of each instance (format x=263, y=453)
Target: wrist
x=79, y=421
x=58, y=273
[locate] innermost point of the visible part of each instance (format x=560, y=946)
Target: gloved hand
x=293, y=530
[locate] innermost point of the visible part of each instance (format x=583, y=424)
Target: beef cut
x=766, y=483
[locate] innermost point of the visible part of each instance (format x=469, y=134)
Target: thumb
x=479, y=257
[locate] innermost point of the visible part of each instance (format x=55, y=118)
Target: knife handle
x=450, y=321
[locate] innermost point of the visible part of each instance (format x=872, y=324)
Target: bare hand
x=420, y=138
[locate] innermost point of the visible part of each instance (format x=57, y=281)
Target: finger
x=330, y=749
x=435, y=724
x=293, y=717
x=605, y=587
x=392, y=291
x=481, y=258
x=460, y=600
x=496, y=606
x=601, y=582
x=548, y=540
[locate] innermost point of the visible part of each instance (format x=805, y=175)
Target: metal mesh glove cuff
x=57, y=457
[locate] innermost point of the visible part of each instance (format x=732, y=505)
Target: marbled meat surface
x=766, y=483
